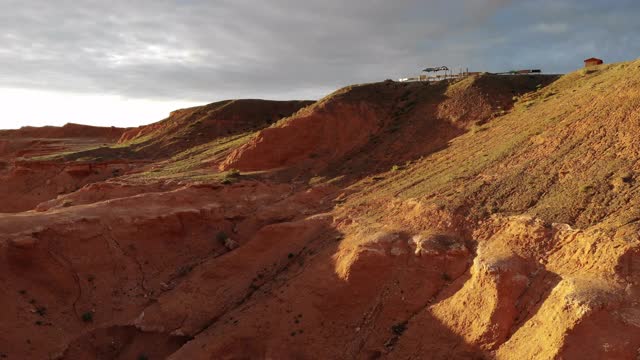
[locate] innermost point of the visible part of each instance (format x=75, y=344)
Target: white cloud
x=38, y=108
x=554, y=28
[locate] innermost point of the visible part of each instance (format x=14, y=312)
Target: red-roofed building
x=593, y=62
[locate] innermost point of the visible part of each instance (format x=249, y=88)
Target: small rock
x=231, y=244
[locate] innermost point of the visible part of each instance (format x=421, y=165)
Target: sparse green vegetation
x=87, y=317
x=586, y=188
x=491, y=170
x=184, y=270
x=399, y=329
x=230, y=176
x=221, y=236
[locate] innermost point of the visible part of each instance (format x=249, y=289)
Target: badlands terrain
x=491, y=217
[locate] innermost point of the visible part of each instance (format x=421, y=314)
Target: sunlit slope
x=568, y=153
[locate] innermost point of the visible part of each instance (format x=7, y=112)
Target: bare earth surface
x=494, y=217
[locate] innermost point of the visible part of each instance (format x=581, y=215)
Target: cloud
x=555, y=28
x=197, y=50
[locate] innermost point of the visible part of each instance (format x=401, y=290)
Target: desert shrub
x=626, y=178
x=586, y=188
x=230, y=176
x=184, y=270
x=87, y=316
x=399, y=328
x=395, y=168
x=222, y=236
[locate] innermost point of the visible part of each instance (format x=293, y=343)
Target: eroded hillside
x=493, y=217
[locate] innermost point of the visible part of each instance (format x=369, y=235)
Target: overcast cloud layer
x=194, y=50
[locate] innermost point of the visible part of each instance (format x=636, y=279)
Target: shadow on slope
x=365, y=129
x=187, y=128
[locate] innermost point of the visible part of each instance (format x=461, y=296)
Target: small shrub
x=398, y=329
x=230, y=176
x=222, y=236
x=586, y=188
x=184, y=270
x=395, y=168
x=627, y=178
x=87, y=317
x=395, y=127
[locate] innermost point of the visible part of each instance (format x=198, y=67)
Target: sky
x=127, y=63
